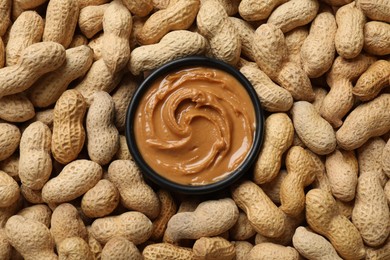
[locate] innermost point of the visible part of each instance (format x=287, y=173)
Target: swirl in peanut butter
x=195, y=126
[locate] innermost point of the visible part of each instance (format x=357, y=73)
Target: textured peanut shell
x=35, y=60
x=278, y=137
x=294, y=41
x=373, y=80
x=313, y=246
x=5, y=19
x=252, y=10
x=386, y=159
x=9, y=140
x=32, y=196
x=74, y=180
x=16, y=108
x=382, y=252
x=210, y=218
x=243, y=229
x=2, y=53
x=50, y=87
x=5, y=247
x=123, y=150
x=265, y=217
x=134, y=226
x=245, y=32
x=387, y=191
x=174, y=45
x=213, y=248
x=177, y=16
x=378, y=10
x=85, y=3
x=377, y=38
x=120, y=248
x=272, y=188
x=319, y=98
x=121, y=98
x=74, y=248
x=367, y=120
x=103, y=137
x=96, y=45
x=11, y=166
x=26, y=30
x=9, y=190
x=20, y=6
x=91, y=19
x=139, y=7
x=166, y=251
x=39, y=212
x=301, y=173
x=68, y=130
x=230, y=6
x=318, y=50
x=78, y=40
x=101, y=200
x=242, y=249
x=324, y=218
x=61, y=21
x=35, y=163
x=168, y=209
x=270, y=251
x=293, y=14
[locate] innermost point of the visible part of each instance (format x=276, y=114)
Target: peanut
x=134, y=226
x=210, y=218
x=35, y=164
x=25, y=31
x=40, y=212
x=68, y=130
x=78, y=40
x=230, y=6
x=103, y=137
x=313, y=246
x=385, y=159
x=252, y=10
x=314, y=131
x=359, y=127
x=32, y=196
x=371, y=82
x=91, y=19
x=139, y=7
x=61, y=21
x=168, y=209
x=378, y=10
x=2, y=53
x=177, y=16
x=20, y=6
x=377, y=38
x=272, y=188
x=73, y=181
x=50, y=87
x=337, y=3
x=121, y=98
x=9, y=190
x=349, y=39
x=387, y=192
x=121, y=249
x=323, y=217
x=5, y=247
x=74, y=248
x=165, y=251
x=9, y=140
x=123, y=151
x=318, y=50
x=245, y=32
x=173, y=45
x=7, y=212
x=319, y=98
x=243, y=229
x=213, y=248
x=242, y=249
x=5, y=19
x=85, y=3
x=11, y=166
x=345, y=208
x=294, y=41
x=34, y=61
x=272, y=251
x=379, y=253
x=96, y=45
x=214, y=24
x=16, y=108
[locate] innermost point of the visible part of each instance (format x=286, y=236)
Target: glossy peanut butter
x=195, y=126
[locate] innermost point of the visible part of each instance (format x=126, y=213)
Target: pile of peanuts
x=69, y=188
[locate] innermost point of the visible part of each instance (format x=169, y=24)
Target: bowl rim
x=152, y=175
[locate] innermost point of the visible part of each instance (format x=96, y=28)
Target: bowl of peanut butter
x=195, y=125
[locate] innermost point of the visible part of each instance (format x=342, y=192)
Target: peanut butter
x=195, y=126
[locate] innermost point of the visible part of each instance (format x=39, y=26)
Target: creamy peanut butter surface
x=195, y=126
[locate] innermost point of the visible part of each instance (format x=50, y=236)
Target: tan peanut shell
x=39, y=212
x=345, y=208
x=349, y=39
x=9, y=190
x=96, y=45
x=16, y=108
x=272, y=97
x=117, y=24
x=301, y=171
x=74, y=180
x=50, y=87
x=85, y=3
x=9, y=140
x=139, y=7
x=34, y=61
x=168, y=209
x=123, y=150
x=78, y=40
x=382, y=252
x=387, y=192
x=120, y=248
x=213, y=248
x=68, y=130
x=272, y=188
x=91, y=19
x=132, y=225
x=2, y=53
x=313, y=246
x=294, y=41
x=252, y=10
x=270, y=251
x=45, y=116
x=26, y=30
x=101, y=200
x=372, y=81
x=210, y=218
x=30, y=238
x=367, y=120
x=121, y=98
x=61, y=21
x=318, y=49
x=74, y=248
x=279, y=132
x=5, y=247
x=378, y=10
x=230, y=6
x=385, y=159
x=245, y=32
x=225, y=42
x=177, y=16
x=342, y=170
x=103, y=137
x=339, y=79
x=323, y=217
x=7, y=212
x=11, y=166
x=265, y=217
x=20, y=6
x=337, y=3
x=314, y=131
x=5, y=19
x=242, y=249
x=32, y=196
x=243, y=229
x=174, y=45
x=293, y=14
x=166, y=251
x=377, y=38
x=35, y=163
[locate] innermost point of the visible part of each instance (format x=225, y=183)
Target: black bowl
x=245, y=166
